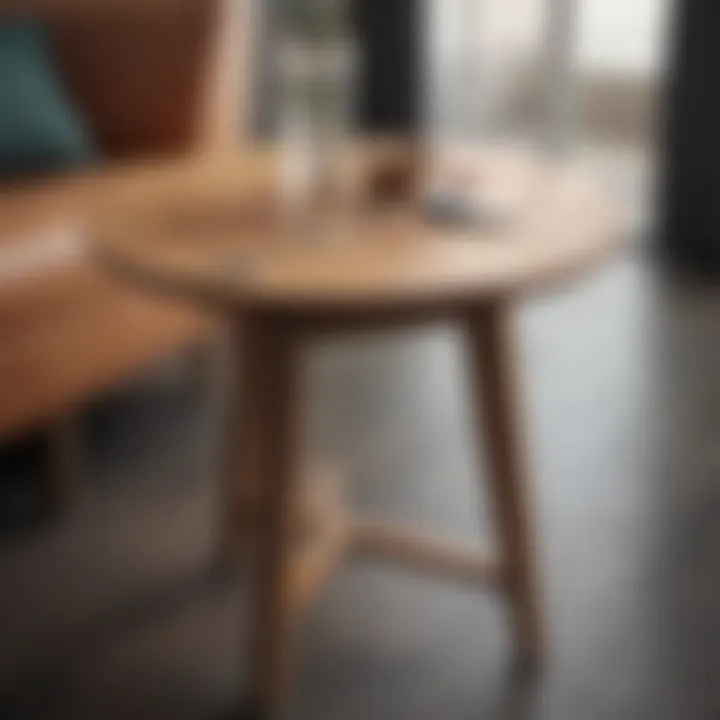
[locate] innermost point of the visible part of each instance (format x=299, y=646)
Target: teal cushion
x=40, y=130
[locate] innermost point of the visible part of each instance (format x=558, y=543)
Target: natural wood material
x=498, y=404
x=363, y=262
x=242, y=455
x=373, y=271
x=318, y=555
x=275, y=449
x=410, y=548
x=321, y=503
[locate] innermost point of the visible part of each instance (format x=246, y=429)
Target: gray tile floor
x=119, y=611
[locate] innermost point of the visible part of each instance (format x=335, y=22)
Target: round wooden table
x=210, y=233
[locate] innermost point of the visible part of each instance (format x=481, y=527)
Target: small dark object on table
x=451, y=208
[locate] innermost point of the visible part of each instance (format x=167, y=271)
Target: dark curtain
x=689, y=211
x=390, y=83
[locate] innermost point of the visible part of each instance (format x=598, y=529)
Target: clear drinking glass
x=316, y=70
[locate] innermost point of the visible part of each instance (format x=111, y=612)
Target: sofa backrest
x=142, y=71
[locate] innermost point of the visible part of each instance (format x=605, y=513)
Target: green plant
x=314, y=19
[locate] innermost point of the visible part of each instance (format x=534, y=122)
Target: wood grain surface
x=217, y=234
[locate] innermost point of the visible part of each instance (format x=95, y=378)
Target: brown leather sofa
x=156, y=78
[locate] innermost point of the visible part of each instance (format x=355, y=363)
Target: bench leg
x=66, y=461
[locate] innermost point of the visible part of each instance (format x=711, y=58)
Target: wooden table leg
x=240, y=467
x=274, y=448
x=238, y=471
x=497, y=401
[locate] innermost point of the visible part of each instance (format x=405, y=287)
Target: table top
x=210, y=232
